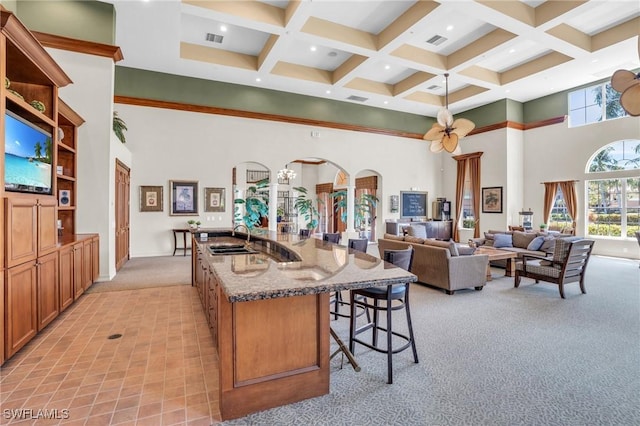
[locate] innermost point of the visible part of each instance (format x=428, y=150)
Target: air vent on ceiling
x=434, y=87
x=357, y=98
x=215, y=38
x=437, y=40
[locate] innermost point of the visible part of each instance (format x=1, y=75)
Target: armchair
x=567, y=265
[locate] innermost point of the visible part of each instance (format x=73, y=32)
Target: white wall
x=91, y=96
x=167, y=144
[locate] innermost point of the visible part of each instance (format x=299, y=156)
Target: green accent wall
x=167, y=87
x=82, y=20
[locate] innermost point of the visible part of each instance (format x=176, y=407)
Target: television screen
x=27, y=160
x=413, y=204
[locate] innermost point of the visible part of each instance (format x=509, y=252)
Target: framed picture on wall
x=184, y=198
x=214, y=199
x=492, y=200
x=151, y=198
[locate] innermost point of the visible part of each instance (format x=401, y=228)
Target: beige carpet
x=146, y=272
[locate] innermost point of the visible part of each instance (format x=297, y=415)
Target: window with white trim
x=594, y=104
x=614, y=203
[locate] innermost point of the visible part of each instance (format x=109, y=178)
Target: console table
x=184, y=247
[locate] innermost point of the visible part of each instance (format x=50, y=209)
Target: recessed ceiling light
x=449, y=27
x=386, y=67
x=507, y=91
x=223, y=28
x=385, y=102
x=594, y=61
x=258, y=79
x=313, y=48
x=328, y=92
x=512, y=50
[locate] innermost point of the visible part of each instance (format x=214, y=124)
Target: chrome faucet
x=233, y=233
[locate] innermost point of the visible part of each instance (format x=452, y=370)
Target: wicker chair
x=568, y=264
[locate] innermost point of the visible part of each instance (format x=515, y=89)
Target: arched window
x=614, y=200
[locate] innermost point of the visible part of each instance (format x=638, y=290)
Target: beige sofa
x=439, y=264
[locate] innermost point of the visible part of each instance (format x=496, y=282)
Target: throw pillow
x=393, y=237
x=488, y=239
x=502, y=240
x=535, y=244
x=548, y=245
x=419, y=231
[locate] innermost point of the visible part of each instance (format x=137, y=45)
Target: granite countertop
x=323, y=267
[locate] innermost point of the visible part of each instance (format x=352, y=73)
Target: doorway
x=123, y=184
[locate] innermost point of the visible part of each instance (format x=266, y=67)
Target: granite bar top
x=322, y=267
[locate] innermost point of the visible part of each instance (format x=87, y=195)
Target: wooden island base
x=272, y=352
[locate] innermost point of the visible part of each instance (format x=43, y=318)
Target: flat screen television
x=28, y=154
x=413, y=205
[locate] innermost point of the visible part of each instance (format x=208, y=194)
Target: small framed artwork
x=184, y=198
x=394, y=203
x=151, y=198
x=492, y=200
x=214, y=199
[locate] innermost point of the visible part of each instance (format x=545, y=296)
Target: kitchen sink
x=226, y=249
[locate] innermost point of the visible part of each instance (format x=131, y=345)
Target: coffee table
x=497, y=254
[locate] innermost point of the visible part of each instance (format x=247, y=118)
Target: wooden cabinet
x=95, y=258
x=21, y=306
x=439, y=229
x=66, y=277
x=47, y=289
x=30, y=228
x=87, y=265
x=78, y=252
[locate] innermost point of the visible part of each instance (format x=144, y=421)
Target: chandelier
x=286, y=174
x=446, y=133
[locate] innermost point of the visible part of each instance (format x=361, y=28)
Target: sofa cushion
x=453, y=250
x=419, y=231
x=411, y=239
x=522, y=239
x=536, y=243
x=394, y=237
x=503, y=240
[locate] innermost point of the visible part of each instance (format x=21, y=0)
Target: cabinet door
x=48, y=290
x=2, y=358
x=87, y=264
x=47, y=226
x=21, y=309
x=21, y=230
x=95, y=258
x=65, y=271
x=77, y=270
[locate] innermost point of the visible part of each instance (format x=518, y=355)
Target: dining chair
x=394, y=297
x=331, y=237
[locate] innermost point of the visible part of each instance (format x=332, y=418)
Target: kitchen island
x=268, y=312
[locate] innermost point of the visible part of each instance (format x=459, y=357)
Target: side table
x=184, y=247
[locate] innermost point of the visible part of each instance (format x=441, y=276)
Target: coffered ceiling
x=385, y=54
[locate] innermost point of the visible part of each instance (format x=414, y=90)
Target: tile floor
x=162, y=371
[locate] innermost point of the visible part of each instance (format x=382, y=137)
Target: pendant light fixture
x=445, y=134
x=286, y=174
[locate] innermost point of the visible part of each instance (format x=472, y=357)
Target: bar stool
x=395, y=292
x=359, y=244
x=331, y=237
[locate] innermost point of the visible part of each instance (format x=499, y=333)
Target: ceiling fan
x=445, y=134
x=628, y=84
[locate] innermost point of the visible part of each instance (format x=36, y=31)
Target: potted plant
x=255, y=205
x=119, y=127
x=192, y=223
x=198, y=223
x=280, y=213
x=543, y=227
x=306, y=208
x=364, y=206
